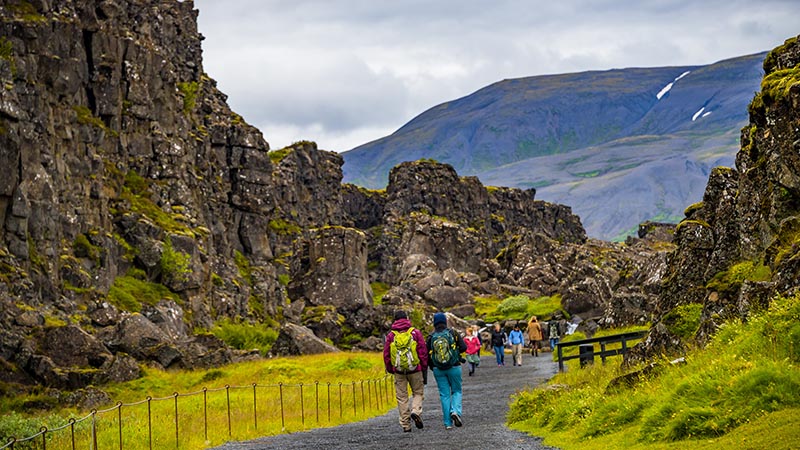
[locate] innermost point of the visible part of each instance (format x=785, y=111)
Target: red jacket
x=422, y=351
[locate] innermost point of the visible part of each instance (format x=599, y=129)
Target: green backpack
x=443, y=349
x=404, y=351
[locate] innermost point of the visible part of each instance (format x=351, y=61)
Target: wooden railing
x=584, y=345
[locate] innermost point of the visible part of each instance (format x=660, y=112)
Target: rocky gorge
x=138, y=212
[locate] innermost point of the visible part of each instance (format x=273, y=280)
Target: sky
x=343, y=73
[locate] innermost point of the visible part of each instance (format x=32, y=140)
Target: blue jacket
x=516, y=337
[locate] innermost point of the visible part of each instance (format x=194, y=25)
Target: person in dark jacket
x=448, y=379
x=499, y=340
x=416, y=377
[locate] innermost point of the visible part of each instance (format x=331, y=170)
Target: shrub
x=515, y=305
x=246, y=336
x=175, y=264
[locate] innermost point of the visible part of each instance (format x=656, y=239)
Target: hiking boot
x=407, y=430
x=456, y=419
x=417, y=420
x=448, y=427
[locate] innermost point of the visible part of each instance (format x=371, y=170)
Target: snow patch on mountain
x=697, y=114
x=666, y=88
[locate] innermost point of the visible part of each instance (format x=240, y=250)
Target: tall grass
x=743, y=380
x=236, y=402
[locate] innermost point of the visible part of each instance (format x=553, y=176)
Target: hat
x=400, y=314
x=439, y=318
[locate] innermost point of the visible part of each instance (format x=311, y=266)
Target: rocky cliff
x=739, y=246
x=137, y=212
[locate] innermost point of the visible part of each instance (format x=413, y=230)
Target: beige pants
x=516, y=351
x=401, y=383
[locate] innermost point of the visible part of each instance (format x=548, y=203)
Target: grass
x=379, y=289
x=277, y=382
x=132, y=290
x=727, y=395
x=246, y=336
x=516, y=307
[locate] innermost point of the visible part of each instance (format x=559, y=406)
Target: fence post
x=354, y=399
x=329, y=401
x=283, y=423
x=205, y=413
x=255, y=410
x=94, y=429
x=149, y=423
x=72, y=431
x=340, y=400
x=363, y=403
x=302, y=408
x=43, y=430
x=316, y=397
x=177, y=441
x=228, y=399
x=119, y=422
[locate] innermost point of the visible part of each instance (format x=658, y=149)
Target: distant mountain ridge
x=619, y=146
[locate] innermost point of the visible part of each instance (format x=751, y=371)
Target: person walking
x=517, y=340
x=499, y=340
x=445, y=347
x=555, y=334
x=534, y=335
x=405, y=355
x=473, y=342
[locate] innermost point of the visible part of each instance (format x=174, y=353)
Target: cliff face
x=738, y=247
x=137, y=210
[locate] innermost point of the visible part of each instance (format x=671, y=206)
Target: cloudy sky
x=345, y=72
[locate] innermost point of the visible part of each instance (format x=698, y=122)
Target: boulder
x=70, y=346
x=298, y=340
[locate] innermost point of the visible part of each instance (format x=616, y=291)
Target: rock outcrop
x=137, y=211
x=738, y=247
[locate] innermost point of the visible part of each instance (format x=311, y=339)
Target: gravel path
x=485, y=404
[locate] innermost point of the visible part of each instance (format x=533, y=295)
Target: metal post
x=340, y=400
x=149, y=423
x=119, y=422
x=43, y=430
x=302, y=407
x=72, y=431
x=316, y=397
x=255, y=408
x=94, y=429
x=560, y=361
x=205, y=413
x=283, y=423
x=177, y=441
x=228, y=397
x=363, y=404
x=329, y=401
x=354, y=398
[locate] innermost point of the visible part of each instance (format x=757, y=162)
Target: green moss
x=175, y=265
x=772, y=57
x=25, y=11
x=130, y=291
x=777, y=84
x=687, y=222
x=246, y=336
x=189, y=89
x=137, y=192
x=692, y=208
x=315, y=314
x=729, y=281
x=85, y=249
x=284, y=279
x=276, y=156
x=7, y=53
x=85, y=117
x=683, y=321
x=379, y=289
x=283, y=227
x=217, y=280
x=245, y=271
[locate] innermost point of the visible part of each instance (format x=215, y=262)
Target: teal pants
x=449, y=383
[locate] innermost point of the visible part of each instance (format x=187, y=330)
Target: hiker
x=534, y=335
x=406, y=356
x=517, y=340
x=445, y=347
x=473, y=342
x=499, y=340
x=554, y=333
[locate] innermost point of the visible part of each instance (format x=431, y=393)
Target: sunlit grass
x=235, y=402
x=741, y=391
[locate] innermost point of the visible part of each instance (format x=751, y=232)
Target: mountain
x=619, y=146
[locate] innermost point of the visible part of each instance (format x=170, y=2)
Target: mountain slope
x=584, y=137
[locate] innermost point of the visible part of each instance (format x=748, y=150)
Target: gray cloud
x=342, y=73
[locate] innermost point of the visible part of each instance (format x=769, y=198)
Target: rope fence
x=232, y=412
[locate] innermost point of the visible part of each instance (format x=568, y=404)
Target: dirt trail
x=485, y=404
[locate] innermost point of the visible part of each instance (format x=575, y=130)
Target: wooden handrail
x=603, y=353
